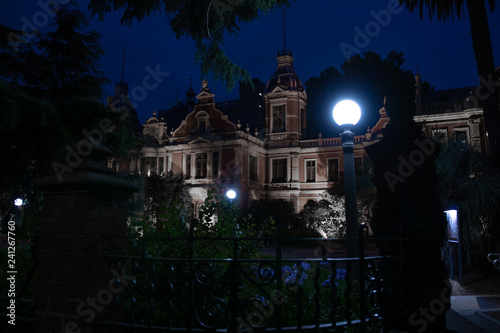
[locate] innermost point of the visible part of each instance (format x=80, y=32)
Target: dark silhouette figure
x=416, y=292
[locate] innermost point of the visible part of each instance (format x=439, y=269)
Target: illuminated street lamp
x=231, y=194
x=18, y=202
x=346, y=114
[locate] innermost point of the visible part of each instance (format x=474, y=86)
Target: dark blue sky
x=315, y=30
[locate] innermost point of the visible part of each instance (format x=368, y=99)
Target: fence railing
x=204, y=284
x=277, y=288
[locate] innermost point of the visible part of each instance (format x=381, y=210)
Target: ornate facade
x=451, y=114
x=272, y=162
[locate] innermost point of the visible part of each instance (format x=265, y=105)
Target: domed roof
x=284, y=75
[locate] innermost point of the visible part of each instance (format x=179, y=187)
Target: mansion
x=262, y=153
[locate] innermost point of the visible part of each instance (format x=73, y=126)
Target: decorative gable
x=204, y=118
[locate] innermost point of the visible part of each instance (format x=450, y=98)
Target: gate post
x=75, y=285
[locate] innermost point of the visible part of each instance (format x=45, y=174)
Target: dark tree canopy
x=57, y=66
x=442, y=9
x=206, y=22
x=50, y=92
x=367, y=79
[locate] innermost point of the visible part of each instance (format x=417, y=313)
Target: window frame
x=202, y=118
x=284, y=169
x=255, y=169
x=306, y=170
x=461, y=129
x=328, y=169
x=273, y=129
x=444, y=131
x=201, y=169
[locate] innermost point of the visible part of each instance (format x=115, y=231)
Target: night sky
x=314, y=31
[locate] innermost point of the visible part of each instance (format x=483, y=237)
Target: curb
x=489, y=320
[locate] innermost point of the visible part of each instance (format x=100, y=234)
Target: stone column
x=238, y=161
x=84, y=214
x=193, y=166
x=209, y=164
x=170, y=158
x=294, y=156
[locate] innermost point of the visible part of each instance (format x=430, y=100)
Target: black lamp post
x=346, y=114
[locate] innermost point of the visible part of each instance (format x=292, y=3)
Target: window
x=188, y=166
x=202, y=118
x=461, y=136
x=148, y=165
x=203, y=126
x=201, y=165
x=253, y=168
x=310, y=170
x=358, y=164
x=215, y=164
x=333, y=169
x=279, y=170
x=440, y=135
x=279, y=118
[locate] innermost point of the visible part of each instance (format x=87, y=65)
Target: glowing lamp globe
x=346, y=112
x=18, y=202
x=231, y=194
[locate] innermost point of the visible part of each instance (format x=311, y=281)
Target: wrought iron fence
x=225, y=285
x=216, y=285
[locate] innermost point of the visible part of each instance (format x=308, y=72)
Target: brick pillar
x=75, y=284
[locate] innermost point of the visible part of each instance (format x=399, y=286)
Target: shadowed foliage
x=469, y=180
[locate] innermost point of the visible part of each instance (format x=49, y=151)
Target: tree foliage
x=443, y=10
x=206, y=22
x=366, y=78
x=327, y=215
x=281, y=211
x=470, y=181
x=164, y=192
x=59, y=65
x=50, y=90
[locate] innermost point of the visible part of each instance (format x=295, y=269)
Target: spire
x=284, y=51
x=284, y=31
x=190, y=96
x=123, y=62
x=121, y=88
x=418, y=93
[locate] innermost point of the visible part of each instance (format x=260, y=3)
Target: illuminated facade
x=271, y=161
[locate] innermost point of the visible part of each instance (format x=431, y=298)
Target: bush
x=294, y=238
x=280, y=210
x=326, y=216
